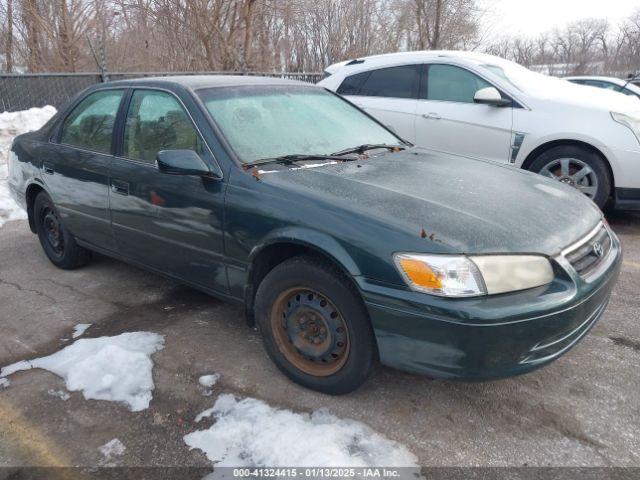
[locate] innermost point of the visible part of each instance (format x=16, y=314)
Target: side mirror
x=182, y=162
x=491, y=96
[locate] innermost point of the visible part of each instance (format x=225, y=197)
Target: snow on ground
x=64, y=396
x=4, y=383
x=79, y=329
x=12, y=124
x=251, y=433
x=114, y=448
x=117, y=369
x=207, y=382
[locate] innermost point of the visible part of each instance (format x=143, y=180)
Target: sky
x=531, y=17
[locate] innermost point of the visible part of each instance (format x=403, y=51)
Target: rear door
x=171, y=223
x=388, y=94
x=449, y=121
x=76, y=169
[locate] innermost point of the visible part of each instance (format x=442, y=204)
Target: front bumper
x=488, y=337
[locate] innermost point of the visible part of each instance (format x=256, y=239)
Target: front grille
x=586, y=255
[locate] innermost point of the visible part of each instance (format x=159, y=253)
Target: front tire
x=57, y=242
x=576, y=166
x=315, y=327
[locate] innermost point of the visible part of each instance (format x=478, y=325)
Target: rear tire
x=579, y=167
x=315, y=327
x=57, y=242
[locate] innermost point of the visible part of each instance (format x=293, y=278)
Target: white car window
x=452, y=84
x=393, y=82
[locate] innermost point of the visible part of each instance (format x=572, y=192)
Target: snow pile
x=17, y=123
x=79, y=329
x=12, y=124
x=4, y=383
x=207, y=382
x=117, y=369
x=251, y=433
x=114, y=448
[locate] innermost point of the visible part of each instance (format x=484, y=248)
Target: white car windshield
x=262, y=122
x=522, y=78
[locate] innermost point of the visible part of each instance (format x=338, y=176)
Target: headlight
x=460, y=276
x=633, y=123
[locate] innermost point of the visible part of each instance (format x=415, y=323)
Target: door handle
x=48, y=168
x=432, y=116
x=121, y=188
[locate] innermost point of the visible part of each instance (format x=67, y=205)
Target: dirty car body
x=227, y=228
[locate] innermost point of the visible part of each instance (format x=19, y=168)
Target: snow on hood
x=117, y=369
x=249, y=432
x=585, y=96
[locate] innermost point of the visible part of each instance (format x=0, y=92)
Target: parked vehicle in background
x=489, y=108
x=345, y=244
x=609, y=83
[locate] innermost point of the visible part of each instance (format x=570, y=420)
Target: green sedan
x=346, y=245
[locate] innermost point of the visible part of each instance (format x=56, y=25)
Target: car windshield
x=262, y=122
x=522, y=78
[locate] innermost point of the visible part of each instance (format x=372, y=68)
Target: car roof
x=417, y=56
x=196, y=82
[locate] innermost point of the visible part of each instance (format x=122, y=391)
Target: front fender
x=321, y=242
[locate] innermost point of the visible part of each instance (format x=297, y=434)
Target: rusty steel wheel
x=310, y=331
x=315, y=326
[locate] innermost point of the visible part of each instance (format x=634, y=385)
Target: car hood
x=468, y=206
x=584, y=96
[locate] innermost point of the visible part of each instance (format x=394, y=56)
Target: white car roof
x=419, y=56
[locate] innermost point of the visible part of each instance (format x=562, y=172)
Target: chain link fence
x=23, y=91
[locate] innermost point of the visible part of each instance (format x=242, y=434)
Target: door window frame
x=56, y=137
x=118, y=147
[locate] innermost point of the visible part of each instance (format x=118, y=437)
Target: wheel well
x=273, y=255
x=32, y=192
x=570, y=143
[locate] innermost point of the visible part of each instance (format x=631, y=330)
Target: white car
x=609, y=83
x=486, y=107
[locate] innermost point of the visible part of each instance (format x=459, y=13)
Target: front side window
x=157, y=121
x=393, y=82
x=90, y=124
x=271, y=121
x=452, y=84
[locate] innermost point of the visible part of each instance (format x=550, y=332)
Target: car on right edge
x=626, y=87
x=485, y=107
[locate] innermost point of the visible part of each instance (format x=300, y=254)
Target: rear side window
x=452, y=84
x=394, y=82
x=158, y=121
x=90, y=124
x=351, y=85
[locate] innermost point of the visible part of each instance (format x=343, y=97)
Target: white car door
x=388, y=94
x=448, y=120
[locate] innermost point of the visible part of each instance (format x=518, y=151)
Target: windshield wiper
x=368, y=146
x=289, y=159
x=631, y=77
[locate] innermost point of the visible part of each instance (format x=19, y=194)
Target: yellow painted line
x=29, y=438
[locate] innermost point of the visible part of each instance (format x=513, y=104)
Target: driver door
x=448, y=120
x=171, y=223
